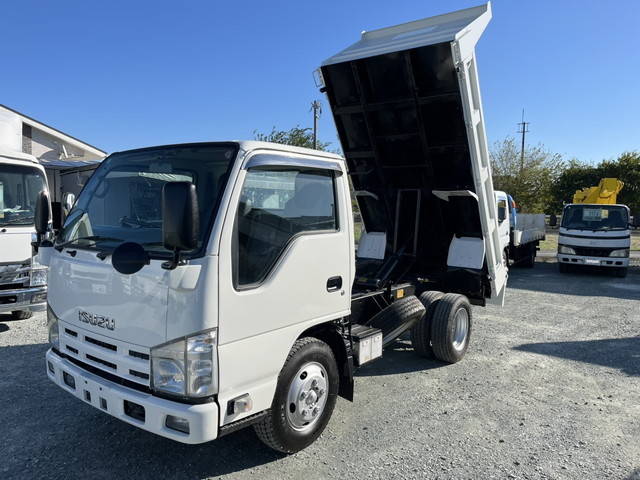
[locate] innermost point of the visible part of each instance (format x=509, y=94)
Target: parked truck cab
x=22, y=280
x=198, y=289
x=595, y=235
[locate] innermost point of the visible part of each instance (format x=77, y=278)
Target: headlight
x=52, y=327
x=623, y=252
x=187, y=366
x=566, y=250
x=38, y=277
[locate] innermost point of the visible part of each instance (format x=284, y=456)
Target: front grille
x=16, y=274
x=124, y=360
x=113, y=366
x=140, y=355
x=101, y=344
x=593, y=251
x=135, y=373
x=11, y=286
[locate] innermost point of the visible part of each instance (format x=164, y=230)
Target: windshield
x=122, y=200
x=595, y=217
x=19, y=189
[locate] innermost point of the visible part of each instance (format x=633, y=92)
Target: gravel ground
x=550, y=388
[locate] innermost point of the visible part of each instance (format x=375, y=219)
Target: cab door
x=285, y=264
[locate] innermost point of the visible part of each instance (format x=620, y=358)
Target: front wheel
x=621, y=272
x=21, y=314
x=304, y=399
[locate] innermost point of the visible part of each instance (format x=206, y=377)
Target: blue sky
x=126, y=74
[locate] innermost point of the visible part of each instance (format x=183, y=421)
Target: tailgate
x=407, y=107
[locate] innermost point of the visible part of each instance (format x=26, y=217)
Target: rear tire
x=451, y=328
x=21, y=314
x=397, y=318
x=421, y=331
x=291, y=424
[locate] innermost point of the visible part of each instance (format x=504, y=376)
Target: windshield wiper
x=137, y=223
x=90, y=238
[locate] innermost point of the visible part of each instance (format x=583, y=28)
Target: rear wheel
x=304, y=399
x=421, y=331
x=21, y=314
x=530, y=259
x=397, y=318
x=451, y=328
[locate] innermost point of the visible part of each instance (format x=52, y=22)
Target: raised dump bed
x=407, y=107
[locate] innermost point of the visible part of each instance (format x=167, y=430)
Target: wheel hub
x=461, y=330
x=307, y=396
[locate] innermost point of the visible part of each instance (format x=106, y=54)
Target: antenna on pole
x=523, y=128
x=316, y=107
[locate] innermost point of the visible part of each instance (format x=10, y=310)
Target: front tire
x=621, y=272
x=21, y=314
x=451, y=328
x=304, y=400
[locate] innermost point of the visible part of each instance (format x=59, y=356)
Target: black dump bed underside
x=401, y=125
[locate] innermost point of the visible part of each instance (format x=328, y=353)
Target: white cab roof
x=13, y=155
x=420, y=33
x=249, y=145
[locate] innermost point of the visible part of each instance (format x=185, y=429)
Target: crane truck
x=595, y=230
x=197, y=289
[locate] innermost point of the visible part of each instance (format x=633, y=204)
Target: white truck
x=22, y=280
x=198, y=289
x=596, y=235
x=520, y=233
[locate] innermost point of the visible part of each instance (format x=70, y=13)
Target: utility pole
x=523, y=128
x=316, y=107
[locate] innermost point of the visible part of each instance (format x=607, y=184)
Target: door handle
x=334, y=283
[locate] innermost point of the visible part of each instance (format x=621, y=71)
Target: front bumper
x=110, y=398
x=619, y=262
x=32, y=299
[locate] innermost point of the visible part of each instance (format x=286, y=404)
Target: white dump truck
x=198, y=289
x=22, y=280
x=520, y=233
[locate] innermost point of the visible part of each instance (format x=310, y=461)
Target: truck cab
x=22, y=280
x=197, y=289
x=597, y=235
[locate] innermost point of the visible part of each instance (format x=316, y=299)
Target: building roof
x=57, y=133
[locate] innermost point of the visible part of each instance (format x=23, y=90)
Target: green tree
x=297, y=136
x=531, y=181
x=580, y=175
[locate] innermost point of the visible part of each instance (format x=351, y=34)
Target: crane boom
x=606, y=193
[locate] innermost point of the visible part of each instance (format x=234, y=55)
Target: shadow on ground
x=590, y=282
x=76, y=439
x=398, y=358
x=620, y=353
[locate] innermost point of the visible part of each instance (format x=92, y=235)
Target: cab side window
x=275, y=206
x=502, y=210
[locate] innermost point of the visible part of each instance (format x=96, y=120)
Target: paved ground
x=550, y=388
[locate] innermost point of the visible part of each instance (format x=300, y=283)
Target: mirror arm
x=174, y=262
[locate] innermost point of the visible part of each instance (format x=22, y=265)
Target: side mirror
x=42, y=218
x=180, y=219
x=43, y=213
x=68, y=201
